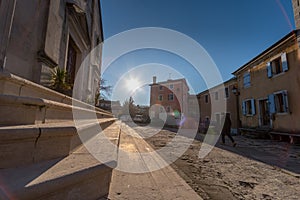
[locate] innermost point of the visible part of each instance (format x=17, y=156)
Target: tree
x=128, y=107
x=103, y=90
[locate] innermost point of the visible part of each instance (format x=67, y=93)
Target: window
x=227, y=92
x=161, y=87
x=160, y=97
x=216, y=96
x=278, y=102
x=206, y=98
x=248, y=107
x=171, y=97
x=168, y=109
x=277, y=65
x=247, y=79
x=171, y=86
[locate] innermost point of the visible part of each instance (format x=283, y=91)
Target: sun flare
x=132, y=84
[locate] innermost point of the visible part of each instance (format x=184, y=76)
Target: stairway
x=42, y=155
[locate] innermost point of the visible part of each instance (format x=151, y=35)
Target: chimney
x=154, y=79
x=296, y=8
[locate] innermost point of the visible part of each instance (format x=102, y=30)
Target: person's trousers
x=228, y=134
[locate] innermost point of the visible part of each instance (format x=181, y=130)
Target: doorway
x=71, y=62
x=264, y=113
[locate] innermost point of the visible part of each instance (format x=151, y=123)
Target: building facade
x=171, y=98
x=269, y=87
x=37, y=36
x=217, y=96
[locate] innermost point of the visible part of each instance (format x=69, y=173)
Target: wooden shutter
x=285, y=66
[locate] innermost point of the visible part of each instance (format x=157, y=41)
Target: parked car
x=139, y=118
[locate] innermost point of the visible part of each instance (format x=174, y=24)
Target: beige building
x=218, y=96
x=37, y=36
x=269, y=87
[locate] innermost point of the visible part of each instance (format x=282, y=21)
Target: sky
x=231, y=32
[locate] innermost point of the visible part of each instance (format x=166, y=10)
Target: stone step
x=29, y=144
x=19, y=110
x=77, y=176
x=11, y=84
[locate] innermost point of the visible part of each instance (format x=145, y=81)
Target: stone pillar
x=7, y=9
x=296, y=8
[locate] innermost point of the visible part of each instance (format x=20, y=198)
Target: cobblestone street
x=255, y=169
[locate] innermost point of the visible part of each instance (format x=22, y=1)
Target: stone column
x=7, y=9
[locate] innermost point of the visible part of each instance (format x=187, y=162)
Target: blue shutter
x=247, y=79
x=272, y=108
x=285, y=101
x=253, y=106
x=285, y=66
x=244, y=108
x=269, y=70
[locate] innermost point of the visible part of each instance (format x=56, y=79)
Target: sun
x=132, y=84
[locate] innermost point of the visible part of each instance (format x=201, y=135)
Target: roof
x=292, y=33
x=171, y=81
x=225, y=82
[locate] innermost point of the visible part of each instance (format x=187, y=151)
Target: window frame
x=274, y=102
x=284, y=66
x=226, y=94
x=160, y=97
x=216, y=96
x=245, y=107
x=247, y=77
x=171, y=94
x=206, y=99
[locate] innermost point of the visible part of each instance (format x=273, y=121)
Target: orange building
x=170, y=98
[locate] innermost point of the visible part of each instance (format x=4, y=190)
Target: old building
x=43, y=132
x=217, y=96
x=37, y=36
x=171, y=95
x=296, y=7
x=269, y=87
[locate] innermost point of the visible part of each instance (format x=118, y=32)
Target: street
x=255, y=169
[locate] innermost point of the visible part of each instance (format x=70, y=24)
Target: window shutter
x=269, y=70
x=285, y=101
x=253, y=106
x=285, y=66
x=272, y=108
x=244, y=108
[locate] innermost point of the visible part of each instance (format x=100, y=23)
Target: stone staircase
x=42, y=155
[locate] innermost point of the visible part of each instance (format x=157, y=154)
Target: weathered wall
x=262, y=86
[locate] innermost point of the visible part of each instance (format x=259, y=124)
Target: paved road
x=255, y=169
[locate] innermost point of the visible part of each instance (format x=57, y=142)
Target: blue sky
x=232, y=32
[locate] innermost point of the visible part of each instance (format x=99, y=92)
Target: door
x=264, y=113
x=71, y=62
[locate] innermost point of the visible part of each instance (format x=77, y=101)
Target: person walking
x=227, y=129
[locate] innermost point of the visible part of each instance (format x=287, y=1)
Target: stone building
x=43, y=133
x=38, y=36
x=296, y=7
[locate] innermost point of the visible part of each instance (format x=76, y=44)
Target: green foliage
x=58, y=80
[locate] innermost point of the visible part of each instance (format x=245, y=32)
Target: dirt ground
x=243, y=172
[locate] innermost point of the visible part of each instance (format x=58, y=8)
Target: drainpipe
x=7, y=10
x=236, y=92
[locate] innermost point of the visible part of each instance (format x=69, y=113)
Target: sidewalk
x=163, y=184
